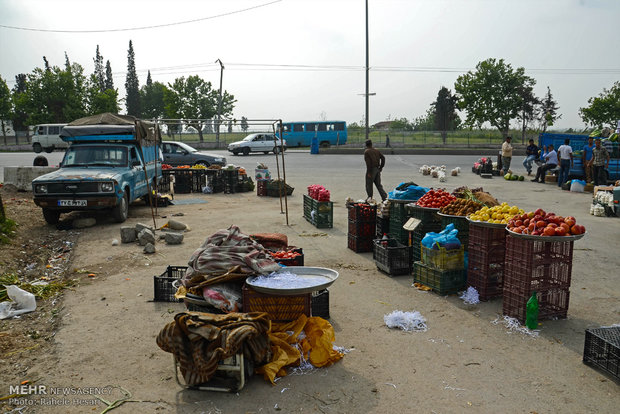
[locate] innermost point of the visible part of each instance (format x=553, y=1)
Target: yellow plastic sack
x=317, y=346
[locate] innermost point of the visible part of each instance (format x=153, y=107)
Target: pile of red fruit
x=541, y=223
x=166, y=167
x=435, y=199
x=318, y=192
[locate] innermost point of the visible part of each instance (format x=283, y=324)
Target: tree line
x=54, y=94
x=497, y=94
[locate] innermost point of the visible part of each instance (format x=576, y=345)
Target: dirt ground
x=102, y=332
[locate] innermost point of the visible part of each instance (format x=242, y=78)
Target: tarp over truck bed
x=111, y=126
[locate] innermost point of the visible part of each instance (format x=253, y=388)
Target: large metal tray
x=486, y=224
x=325, y=277
x=451, y=216
x=547, y=238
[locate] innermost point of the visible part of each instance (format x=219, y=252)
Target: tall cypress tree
x=132, y=86
x=109, y=82
x=99, y=70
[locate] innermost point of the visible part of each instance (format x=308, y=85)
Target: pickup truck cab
x=106, y=167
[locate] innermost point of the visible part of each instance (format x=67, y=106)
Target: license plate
x=72, y=203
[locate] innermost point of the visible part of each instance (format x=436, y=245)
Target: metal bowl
x=486, y=224
x=324, y=278
x=547, y=238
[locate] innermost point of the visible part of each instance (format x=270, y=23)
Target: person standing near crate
x=565, y=154
x=587, y=160
x=506, y=154
x=375, y=161
x=600, y=157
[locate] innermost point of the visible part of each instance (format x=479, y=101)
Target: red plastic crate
x=362, y=228
x=261, y=188
x=278, y=308
x=532, y=265
x=552, y=303
x=359, y=244
x=362, y=212
x=485, y=271
x=483, y=237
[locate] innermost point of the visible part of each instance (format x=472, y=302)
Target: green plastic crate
x=319, y=213
x=444, y=282
x=461, y=224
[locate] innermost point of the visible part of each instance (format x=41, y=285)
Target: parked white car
x=47, y=137
x=256, y=143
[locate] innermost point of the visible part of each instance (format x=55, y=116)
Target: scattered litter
x=342, y=349
x=284, y=389
x=470, y=296
x=420, y=286
x=389, y=383
x=407, y=321
x=22, y=302
x=513, y=325
x=115, y=242
x=91, y=275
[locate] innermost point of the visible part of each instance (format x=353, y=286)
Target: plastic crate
x=295, y=261
x=532, y=265
x=552, y=303
x=230, y=178
x=163, y=291
x=261, y=188
x=359, y=244
x=443, y=259
x=444, y=282
x=425, y=215
x=383, y=226
x=319, y=213
x=602, y=350
x=462, y=225
x=164, y=183
x=362, y=212
x=182, y=181
x=214, y=179
x=485, y=270
x=278, y=308
x=484, y=237
x=320, y=303
x=364, y=229
x=392, y=257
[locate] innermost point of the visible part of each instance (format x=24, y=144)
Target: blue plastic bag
x=446, y=238
x=412, y=192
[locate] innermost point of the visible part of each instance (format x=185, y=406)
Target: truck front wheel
x=51, y=216
x=121, y=211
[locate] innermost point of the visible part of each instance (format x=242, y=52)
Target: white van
x=47, y=137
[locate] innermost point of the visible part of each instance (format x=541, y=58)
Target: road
x=296, y=162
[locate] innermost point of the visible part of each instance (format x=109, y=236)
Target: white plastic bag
x=23, y=302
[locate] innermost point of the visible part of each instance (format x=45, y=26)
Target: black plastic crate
x=230, y=177
x=182, y=181
x=162, y=284
x=362, y=212
x=320, y=303
x=361, y=228
x=214, y=179
x=602, y=350
x=392, y=257
x=383, y=226
x=418, y=234
x=163, y=184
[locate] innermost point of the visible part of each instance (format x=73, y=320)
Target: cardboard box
x=551, y=178
x=603, y=188
x=588, y=188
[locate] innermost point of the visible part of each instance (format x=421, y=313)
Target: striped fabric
x=227, y=248
x=199, y=341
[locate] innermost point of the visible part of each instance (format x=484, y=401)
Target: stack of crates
x=398, y=217
x=231, y=179
x=430, y=222
x=485, y=270
x=182, y=181
x=319, y=213
x=539, y=266
x=214, y=179
x=362, y=227
x=440, y=269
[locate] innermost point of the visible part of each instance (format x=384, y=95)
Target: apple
x=518, y=230
x=532, y=226
x=526, y=222
x=560, y=231
x=570, y=221
x=539, y=212
x=552, y=225
x=541, y=223
x=518, y=223
x=549, y=231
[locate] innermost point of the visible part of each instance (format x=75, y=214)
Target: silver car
x=179, y=153
x=256, y=143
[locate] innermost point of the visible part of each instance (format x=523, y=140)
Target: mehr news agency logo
x=43, y=395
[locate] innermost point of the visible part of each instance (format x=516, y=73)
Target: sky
x=300, y=60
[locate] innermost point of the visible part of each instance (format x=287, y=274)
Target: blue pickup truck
x=577, y=142
x=108, y=164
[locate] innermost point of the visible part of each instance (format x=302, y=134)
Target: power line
x=30, y=29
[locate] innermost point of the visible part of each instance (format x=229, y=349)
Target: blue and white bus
x=300, y=134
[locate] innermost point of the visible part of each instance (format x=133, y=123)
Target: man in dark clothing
x=375, y=161
x=531, y=153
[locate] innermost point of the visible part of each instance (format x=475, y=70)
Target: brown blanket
x=199, y=341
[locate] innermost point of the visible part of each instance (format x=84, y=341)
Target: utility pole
x=367, y=95
x=219, y=106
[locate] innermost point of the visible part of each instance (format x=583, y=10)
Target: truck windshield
x=95, y=155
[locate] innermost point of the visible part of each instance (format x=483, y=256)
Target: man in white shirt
x=551, y=161
x=506, y=154
x=565, y=154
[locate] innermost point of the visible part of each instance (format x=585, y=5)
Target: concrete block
x=146, y=236
x=128, y=234
x=174, y=238
x=21, y=177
